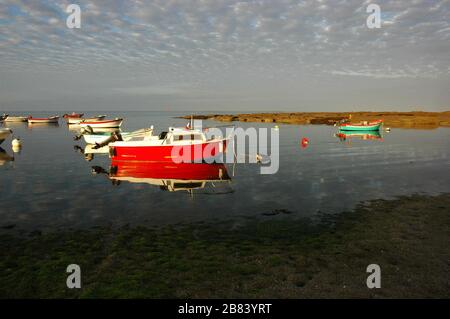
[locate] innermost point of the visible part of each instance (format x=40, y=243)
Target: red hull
x=73, y=116
x=143, y=170
x=166, y=153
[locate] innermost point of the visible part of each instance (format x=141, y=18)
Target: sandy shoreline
x=425, y=120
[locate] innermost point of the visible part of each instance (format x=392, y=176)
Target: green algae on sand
x=266, y=258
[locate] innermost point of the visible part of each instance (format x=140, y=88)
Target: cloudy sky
x=225, y=55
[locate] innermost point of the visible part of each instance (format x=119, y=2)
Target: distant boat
x=74, y=115
x=78, y=120
x=16, y=118
x=45, y=120
x=102, y=123
x=362, y=126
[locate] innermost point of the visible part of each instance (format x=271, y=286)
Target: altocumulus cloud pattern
x=216, y=53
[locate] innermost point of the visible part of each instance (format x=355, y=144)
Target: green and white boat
x=362, y=126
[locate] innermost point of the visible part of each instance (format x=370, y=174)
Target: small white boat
x=99, y=138
x=46, y=120
x=16, y=118
x=102, y=123
x=78, y=120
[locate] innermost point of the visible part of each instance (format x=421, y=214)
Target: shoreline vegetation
x=423, y=120
x=256, y=258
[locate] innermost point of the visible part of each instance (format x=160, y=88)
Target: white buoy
x=16, y=145
x=16, y=142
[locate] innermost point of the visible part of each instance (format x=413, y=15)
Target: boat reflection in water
x=347, y=136
x=90, y=150
x=169, y=176
x=5, y=157
x=38, y=125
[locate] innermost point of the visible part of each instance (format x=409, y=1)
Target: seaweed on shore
x=408, y=237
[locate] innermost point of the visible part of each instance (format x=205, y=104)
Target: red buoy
x=305, y=142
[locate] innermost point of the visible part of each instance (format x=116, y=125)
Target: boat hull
x=73, y=116
x=350, y=127
x=16, y=119
x=102, y=124
x=193, y=153
x=43, y=120
x=72, y=120
x=96, y=138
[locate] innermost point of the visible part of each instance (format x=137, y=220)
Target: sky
x=224, y=55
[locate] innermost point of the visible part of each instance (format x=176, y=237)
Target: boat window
x=190, y=137
x=196, y=137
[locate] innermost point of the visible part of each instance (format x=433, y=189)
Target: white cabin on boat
x=173, y=137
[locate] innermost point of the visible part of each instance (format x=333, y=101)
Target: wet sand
x=252, y=258
x=424, y=120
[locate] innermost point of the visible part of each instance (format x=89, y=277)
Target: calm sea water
x=50, y=185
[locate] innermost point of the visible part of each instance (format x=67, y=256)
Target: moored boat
x=73, y=115
x=102, y=123
x=10, y=118
x=179, y=145
x=78, y=120
x=102, y=137
x=362, y=126
x=43, y=120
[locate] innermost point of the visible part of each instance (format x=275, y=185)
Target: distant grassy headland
x=392, y=119
x=258, y=258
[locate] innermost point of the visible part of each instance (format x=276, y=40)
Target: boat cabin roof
x=184, y=131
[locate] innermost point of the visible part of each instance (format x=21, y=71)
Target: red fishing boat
x=178, y=145
x=38, y=120
x=73, y=115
